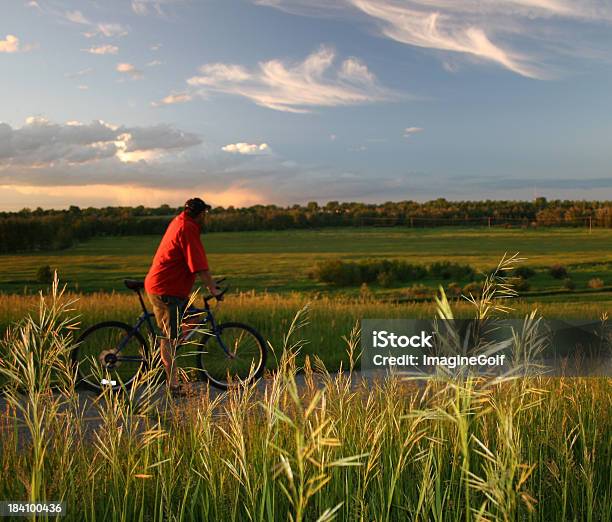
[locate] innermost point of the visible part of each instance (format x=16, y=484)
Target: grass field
x=534, y=449
x=278, y=261
x=330, y=318
x=268, y=272
x=313, y=446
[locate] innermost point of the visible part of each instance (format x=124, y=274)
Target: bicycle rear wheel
x=243, y=359
x=109, y=354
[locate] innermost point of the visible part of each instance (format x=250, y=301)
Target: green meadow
x=268, y=272
x=309, y=442
x=279, y=261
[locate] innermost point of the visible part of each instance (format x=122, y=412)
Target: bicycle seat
x=134, y=284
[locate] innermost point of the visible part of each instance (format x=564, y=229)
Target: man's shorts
x=168, y=312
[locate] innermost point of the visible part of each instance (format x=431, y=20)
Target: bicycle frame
x=207, y=317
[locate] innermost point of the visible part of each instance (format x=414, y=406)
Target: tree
x=44, y=274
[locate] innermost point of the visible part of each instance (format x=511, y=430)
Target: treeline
x=55, y=229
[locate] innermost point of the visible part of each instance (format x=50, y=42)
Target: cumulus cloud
x=246, y=148
x=58, y=164
x=490, y=31
x=314, y=82
x=102, y=49
x=10, y=44
x=41, y=143
x=129, y=69
x=409, y=131
x=97, y=163
x=158, y=137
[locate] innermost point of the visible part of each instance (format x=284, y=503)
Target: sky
x=242, y=102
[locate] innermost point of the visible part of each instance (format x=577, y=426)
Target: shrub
x=346, y=273
x=419, y=290
x=385, y=279
x=520, y=284
x=474, y=288
x=523, y=271
x=448, y=270
x=568, y=283
x=558, y=271
x=363, y=271
x=596, y=282
x=403, y=271
x=453, y=289
x=44, y=274
x=337, y=272
x=365, y=294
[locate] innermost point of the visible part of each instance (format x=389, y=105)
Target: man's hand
x=206, y=278
x=218, y=293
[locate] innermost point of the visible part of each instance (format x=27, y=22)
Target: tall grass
x=315, y=446
x=329, y=318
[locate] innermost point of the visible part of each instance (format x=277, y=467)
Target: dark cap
x=196, y=206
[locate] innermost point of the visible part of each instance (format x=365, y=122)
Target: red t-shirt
x=179, y=256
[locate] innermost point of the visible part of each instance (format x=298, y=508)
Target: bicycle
x=112, y=353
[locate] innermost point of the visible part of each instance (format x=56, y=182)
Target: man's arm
x=206, y=277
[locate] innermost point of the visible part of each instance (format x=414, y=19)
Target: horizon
x=291, y=101
x=321, y=204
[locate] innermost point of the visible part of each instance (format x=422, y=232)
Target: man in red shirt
x=179, y=260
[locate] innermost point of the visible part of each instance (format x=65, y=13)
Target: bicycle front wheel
x=235, y=355
x=109, y=354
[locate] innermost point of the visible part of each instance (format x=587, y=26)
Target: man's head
x=196, y=208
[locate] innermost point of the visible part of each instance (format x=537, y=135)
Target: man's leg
x=167, y=312
x=168, y=354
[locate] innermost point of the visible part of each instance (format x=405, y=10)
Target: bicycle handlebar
x=210, y=296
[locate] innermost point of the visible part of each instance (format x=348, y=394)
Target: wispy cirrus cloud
x=174, y=98
x=158, y=7
x=96, y=28
x=77, y=17
x=410, y=131
x=80, y=73
x=108, y=30
x=102, y=49
x=317, y=81
x=491, y=31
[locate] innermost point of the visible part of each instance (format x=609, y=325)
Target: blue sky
x=288, y=101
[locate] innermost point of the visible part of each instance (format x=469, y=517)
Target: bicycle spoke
x=109, y=354
x=236, y=355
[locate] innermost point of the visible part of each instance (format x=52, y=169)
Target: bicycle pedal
x=180, y=391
